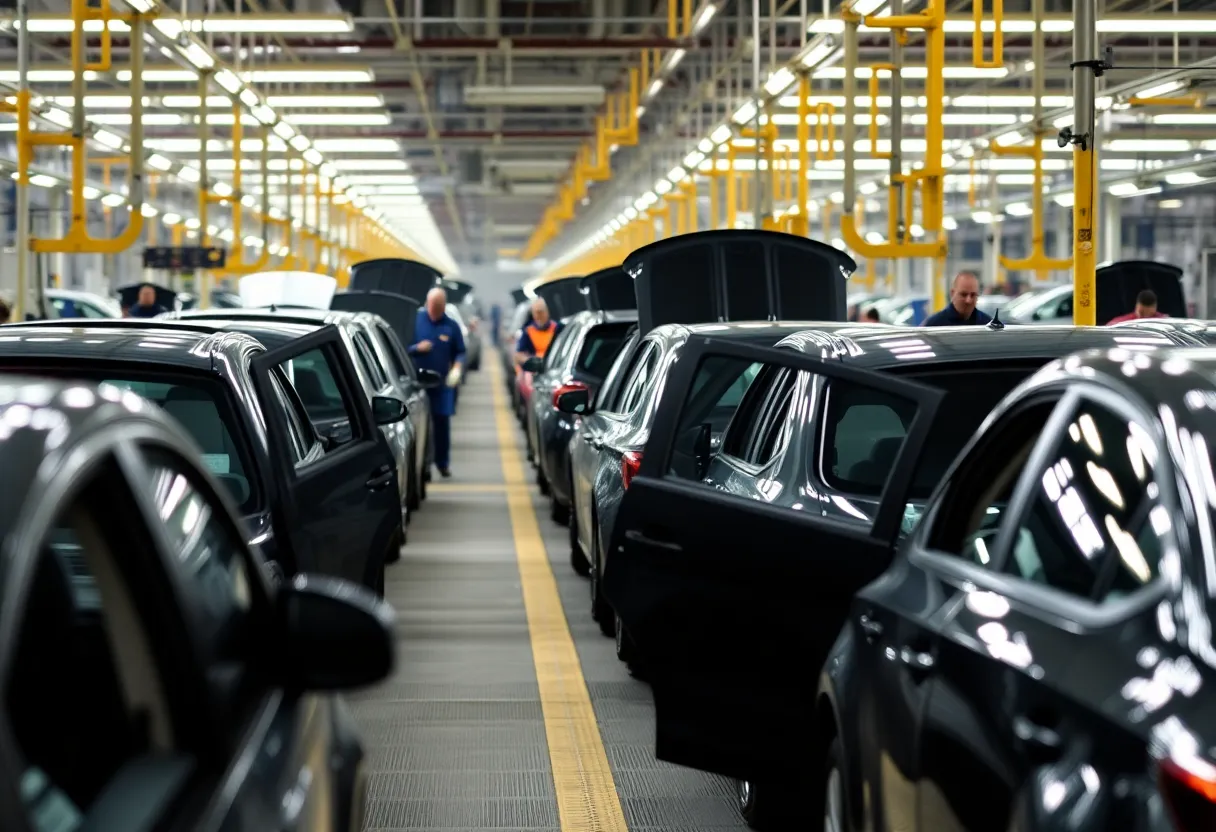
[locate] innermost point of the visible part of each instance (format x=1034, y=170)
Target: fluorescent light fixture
x=954, y=72
x=90, y=193
x=198, y=56
x=1019, y=209
x=1184, y=118
x=264, y=114
x=159, y=162
x=816, y=53
x=227, y=79
x=1159, y=90
x=357, y=144
x=1146, y=145
x=693, y=159
x=113, y=200
x=161, y=75
x=981, y=217
x=285, y=24
x=341, y=119
x=535, y=95
x=148, y=210
x=188, y=173
x=313, y=156
x=62, y=118
x=745, y=113
x=655, y=86
x=325, y=102
x=1065, y=200
x=249, y=98
x=43, y=181
x=677, y=174
x=171, y=219
x=299, y=142
x=1169, y=204
x=221, y=189
x=1186, y=178
x=673, y=60
x=310, y=74
x=721, y=134
x=110, y=140
x=779, y=82
x=370, y=164
x=283, y=130
x=703, y=17
x=949, y=223
x=868, y=7
x=183, y=102
x=47, y=76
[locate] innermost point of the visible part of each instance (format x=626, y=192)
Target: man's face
x=964, y=294
x=1143, y=311
x=540, y=314
x=435, y=305
x=147, y=296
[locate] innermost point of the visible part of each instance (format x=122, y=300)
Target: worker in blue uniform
x=961, y=311
x=439, y=346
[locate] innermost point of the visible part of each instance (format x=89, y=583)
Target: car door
x=894, y=627
x=1044, y=639
x=731, y=611
x=343, y=510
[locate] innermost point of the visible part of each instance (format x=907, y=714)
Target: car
x=1048, y=671
x=153, y=676
x=378, y=360
x=579, y=359
x=705, y=276
x=513, y=326
x=70, y=303
x=1182, y=331
x=311, y=502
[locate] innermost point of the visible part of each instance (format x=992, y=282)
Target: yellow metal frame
x=1037, y=261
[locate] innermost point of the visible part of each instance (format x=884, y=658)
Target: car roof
x=595, y=316
x=166, y=343
x=287, y=314
x=875, y=346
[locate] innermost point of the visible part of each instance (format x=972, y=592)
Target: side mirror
x=388, y=410
x=535, y=364
x=702, y=449
x=429, y=379
x=335, y=635
x=576, y=401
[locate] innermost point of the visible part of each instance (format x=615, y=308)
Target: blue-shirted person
x=439, y=346
x=961, y=311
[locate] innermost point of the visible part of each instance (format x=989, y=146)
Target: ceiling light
x=159, y=162
x=325, y=102
x=1169, y=204
x=703, y=17
x=227, y=79
x=370, y=164
x=274, y=24
x=745, y=113
x=110, y=140
x=982, y=217
x=1159, y=90
x=199, y=57
x=1019, y=209
x=779, y=82
x=43, y=181
x=309, y=74
x=949, y=223
x=313, y=156
x=113, y=200
x=160, y=75
x=341, y=119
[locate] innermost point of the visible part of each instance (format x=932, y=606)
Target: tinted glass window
x=563, y=344
x=746, y=294
x=389, y=340
x=636, y=382
x=1094, y=525
x=210, y=552
x=607, y=394
x=600, y=349
x=681, y=287
x=316, y=383
x=369, y=361
x=299, y=436
x=864, y=427
x=202, y=406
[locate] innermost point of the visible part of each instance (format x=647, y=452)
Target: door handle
x=1040, y=742
x=918, y=662
x=870, y=628
x=381, y=478
x=634, y=536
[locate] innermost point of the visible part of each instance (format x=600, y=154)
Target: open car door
x=609, y=289
x=342, y=509
x=399, y=311
x=396, y=275
x=732, y=603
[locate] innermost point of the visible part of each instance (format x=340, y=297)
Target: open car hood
x=396, y=275
x=308, y=289
x=609, y=289
x=518, y=296
x=563, y=296
x=128, y=295
x=457, y=290
x=1118, y=284
x=720, y=276
x=399, y=311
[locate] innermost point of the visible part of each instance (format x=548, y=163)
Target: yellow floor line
x=466, y=488
x=586, y=793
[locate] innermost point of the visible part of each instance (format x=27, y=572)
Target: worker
x=146, y=305
x=870, y=316
x=439, y=346
x=961, y=311
x=538, y=334
x=1146, y=307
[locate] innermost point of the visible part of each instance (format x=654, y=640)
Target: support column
x=1110, y=238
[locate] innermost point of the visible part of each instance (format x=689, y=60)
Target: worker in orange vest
x=538, y=334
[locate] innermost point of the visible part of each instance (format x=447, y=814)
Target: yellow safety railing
x=235, y=263
x=998, y=38
x=1037, y=261
x=874, y=80
x=799, y=223
x=77, y=239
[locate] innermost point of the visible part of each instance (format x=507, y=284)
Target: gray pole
x=758, y=181
x=23, y=184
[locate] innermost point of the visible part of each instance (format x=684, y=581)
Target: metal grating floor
x=456, y=739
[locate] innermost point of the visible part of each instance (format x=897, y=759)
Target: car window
x=607, y=394
x=399, y=365
x=563, y=344
x=210, y=553
x=1094, y=523
x=712, y=401
x=600, y=349
x=299, y=437
x=316, y=383
x=84, y=693
x=368, y=359
x=864, y=428
x=761, y=422
x=201, y=405
x=635, y=383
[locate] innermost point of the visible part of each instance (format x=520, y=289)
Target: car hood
x=315, y=291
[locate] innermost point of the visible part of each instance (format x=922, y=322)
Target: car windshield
x=200, y=403
x=865, y=428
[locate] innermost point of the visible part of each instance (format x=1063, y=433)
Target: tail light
x=631, y=461
x=1190, y=794
x=568, y=387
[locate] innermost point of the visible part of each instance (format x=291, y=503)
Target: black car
x=1048, y=664
x=708, y=276
x=816, y=515
x=384, y=369
x=153, y=676
x=313, y=503
x=580, y=358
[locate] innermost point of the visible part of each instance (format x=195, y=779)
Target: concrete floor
x=457, y=738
